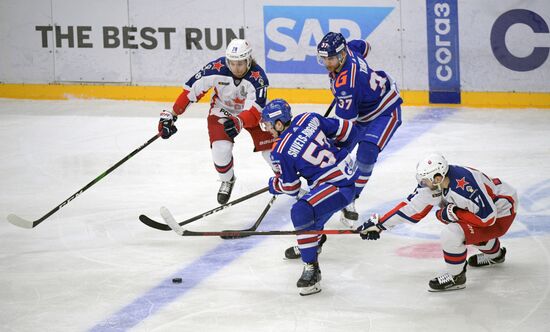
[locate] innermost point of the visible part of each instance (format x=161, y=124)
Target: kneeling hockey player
x=475, y=208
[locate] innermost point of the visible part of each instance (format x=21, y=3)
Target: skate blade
x=305, y=291
x=452, y=288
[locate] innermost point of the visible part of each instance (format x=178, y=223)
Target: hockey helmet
x=429, y=167
x=238, y=50
x=331, y=45
x=275, y=110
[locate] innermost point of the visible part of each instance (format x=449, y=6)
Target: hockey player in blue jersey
x=239, y=92
x=367, y=97
x=314, y=148
x=475, y=208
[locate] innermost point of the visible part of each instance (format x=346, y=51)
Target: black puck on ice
x=176, y=280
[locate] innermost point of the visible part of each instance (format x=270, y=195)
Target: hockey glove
x=233, y=126
x=370, y=230
x=274, y=186
x=166, y=125
x=447, y=214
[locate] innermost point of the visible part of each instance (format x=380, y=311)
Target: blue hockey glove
x=447, y=214
x=274, y=186
x=370, y=230
x=233, y=126
x=166, y=125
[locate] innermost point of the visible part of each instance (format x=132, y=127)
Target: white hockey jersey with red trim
x=230, y=96
x=480, y=200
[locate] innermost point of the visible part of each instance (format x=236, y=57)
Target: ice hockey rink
x=93, y=266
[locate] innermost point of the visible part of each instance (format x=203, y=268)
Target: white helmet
x=239, y=49
x=430, y=166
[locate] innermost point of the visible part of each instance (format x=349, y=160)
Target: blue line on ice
x=193, y=274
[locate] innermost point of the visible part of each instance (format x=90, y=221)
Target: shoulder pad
x=257, y=77
x=216, y=67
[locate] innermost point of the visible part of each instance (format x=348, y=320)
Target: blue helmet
x=277, y=109
x=331, y=44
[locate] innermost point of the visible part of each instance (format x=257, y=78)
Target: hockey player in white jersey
x=239, y=92
x=475, y=208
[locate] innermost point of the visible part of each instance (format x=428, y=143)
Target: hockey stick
x=266, y=209
x=163, y=227
x=256, y=224
x=329, y=109
x=18, y=221
x=169, y=218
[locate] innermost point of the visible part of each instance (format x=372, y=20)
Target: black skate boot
x=447, y=282
x=310, y=281
x=349, y=215
x=294, y=253
x=225, y=190
x=484, y=260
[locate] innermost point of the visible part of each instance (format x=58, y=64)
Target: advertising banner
x=444, y=47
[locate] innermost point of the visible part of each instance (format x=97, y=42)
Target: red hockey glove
x=447, y=214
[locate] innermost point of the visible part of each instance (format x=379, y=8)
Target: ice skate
x=294, y=252
x=447, y=282
x=349, y=215
x=225, y=190
x=310, y=281
x=484, y=260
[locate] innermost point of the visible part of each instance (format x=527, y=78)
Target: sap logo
x=292, y=33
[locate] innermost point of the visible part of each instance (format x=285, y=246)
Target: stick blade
x=20, y=222
x=170, y=220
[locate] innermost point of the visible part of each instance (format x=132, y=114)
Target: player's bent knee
x=222, y=146
x=452, y=233
x=302, y=215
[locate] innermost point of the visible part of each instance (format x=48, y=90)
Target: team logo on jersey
x=292, y=33
x=460, y=183
x=218, y=65
x=238, y=104
x=255, y=74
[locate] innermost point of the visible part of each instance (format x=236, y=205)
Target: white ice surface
x=94, y=266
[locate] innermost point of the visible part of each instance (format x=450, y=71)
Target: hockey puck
x=176, y=280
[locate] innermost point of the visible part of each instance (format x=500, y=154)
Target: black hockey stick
x=18, y=221
x=163, y=227
x=266, y=209
x=329, y=109
x=256, y=224
x=169, y=218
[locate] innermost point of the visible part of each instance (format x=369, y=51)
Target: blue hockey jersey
x=313, y=147
x=362, y=94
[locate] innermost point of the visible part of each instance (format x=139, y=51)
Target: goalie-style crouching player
x=239, y=94
x=477, y=210
x=311, y=147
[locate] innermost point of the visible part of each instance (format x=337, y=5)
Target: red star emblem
x=460, y=183
x=236, y=100
x=255, y=74
x=217, y=65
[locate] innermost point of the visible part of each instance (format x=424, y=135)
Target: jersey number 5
x=323, y=157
